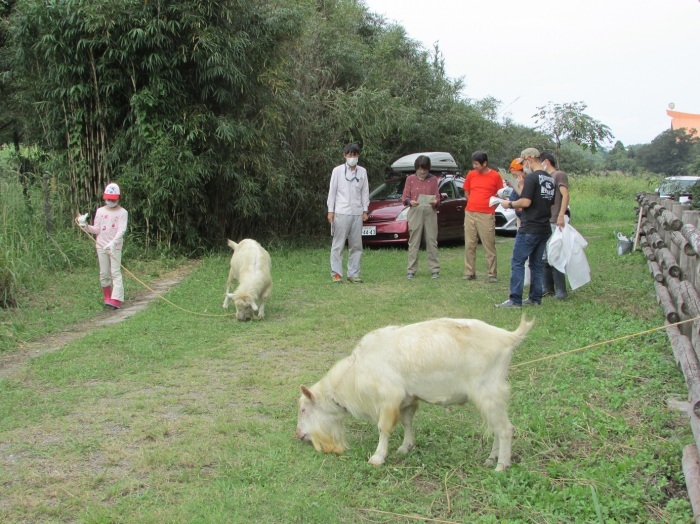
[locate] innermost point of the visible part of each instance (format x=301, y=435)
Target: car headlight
x=403, y=215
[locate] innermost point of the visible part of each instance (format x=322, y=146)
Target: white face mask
x=352, y=161
x=111, y=203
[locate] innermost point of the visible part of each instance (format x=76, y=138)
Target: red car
x=387, y=223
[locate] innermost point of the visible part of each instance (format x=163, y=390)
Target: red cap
x=112, y=192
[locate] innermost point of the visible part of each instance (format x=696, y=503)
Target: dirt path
x=12, y=363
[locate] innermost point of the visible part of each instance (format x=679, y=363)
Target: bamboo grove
x=224, y=118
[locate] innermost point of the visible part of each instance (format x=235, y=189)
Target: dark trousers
x=528, y=247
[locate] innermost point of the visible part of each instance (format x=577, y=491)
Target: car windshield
x=670, y=187
x=389, y=190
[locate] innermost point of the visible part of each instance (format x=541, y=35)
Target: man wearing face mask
x=555, y=280
x=421, y=193
x=348, y=200
x=535, y=201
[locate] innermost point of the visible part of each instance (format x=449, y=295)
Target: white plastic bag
x=565, y=253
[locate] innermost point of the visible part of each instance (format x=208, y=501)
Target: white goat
x=443, y=361
x=251, y=267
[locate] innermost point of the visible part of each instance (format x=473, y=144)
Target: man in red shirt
x=480, y=185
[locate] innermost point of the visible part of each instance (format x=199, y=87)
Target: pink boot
x=107, y=293
x=116, y=304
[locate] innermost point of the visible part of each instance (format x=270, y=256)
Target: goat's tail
x=232, y=244
x=523, y=328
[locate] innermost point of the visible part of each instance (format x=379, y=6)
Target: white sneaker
x=508, y=303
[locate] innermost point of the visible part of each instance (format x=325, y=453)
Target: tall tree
x=375, y=86
x=620, y=159
x=670, y=153
x=568, y=121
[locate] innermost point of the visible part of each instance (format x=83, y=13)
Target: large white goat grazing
x=251, y=267
x=443, y=361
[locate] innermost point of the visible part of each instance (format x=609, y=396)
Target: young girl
x=109, y=226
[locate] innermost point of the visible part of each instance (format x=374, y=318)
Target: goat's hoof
x=376, y=460
x=489, y=462
x=405, y=448
x=501, y=467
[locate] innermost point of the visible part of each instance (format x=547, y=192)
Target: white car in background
x=506, y=220
x=680, y=186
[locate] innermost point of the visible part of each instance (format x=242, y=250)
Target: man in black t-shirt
x=535, y=201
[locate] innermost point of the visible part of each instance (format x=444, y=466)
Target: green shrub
x=605, y=198
x=36, y=234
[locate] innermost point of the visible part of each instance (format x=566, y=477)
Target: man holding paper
x=480, y=185
x=421, y=193
x=536, y=201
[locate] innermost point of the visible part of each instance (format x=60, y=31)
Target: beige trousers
x=422, y=222
x=111, y=272
x=479, y=226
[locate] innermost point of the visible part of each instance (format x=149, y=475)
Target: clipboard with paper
x=508, y=177
x=426, y=200
x=494, y=201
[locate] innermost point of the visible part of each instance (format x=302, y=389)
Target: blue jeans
x=528, y=246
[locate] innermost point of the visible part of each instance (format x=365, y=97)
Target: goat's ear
x=307, y=393
x=253, y=305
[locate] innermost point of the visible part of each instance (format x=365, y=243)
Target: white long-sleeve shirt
x=349, y=191
x=109, y=224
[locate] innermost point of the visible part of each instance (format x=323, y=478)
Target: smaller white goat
x=251, y=267
x=443, y=361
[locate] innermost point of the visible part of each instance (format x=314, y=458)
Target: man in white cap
x=535, y=201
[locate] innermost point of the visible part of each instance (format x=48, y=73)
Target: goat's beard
x=329, y=440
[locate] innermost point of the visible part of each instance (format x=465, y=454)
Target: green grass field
x=183, y=417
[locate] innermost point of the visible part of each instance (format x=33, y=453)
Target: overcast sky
x=626, y=59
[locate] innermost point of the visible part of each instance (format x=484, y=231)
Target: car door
x=451, y=211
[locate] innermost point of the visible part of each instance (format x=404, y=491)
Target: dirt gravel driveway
x=13, y=362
